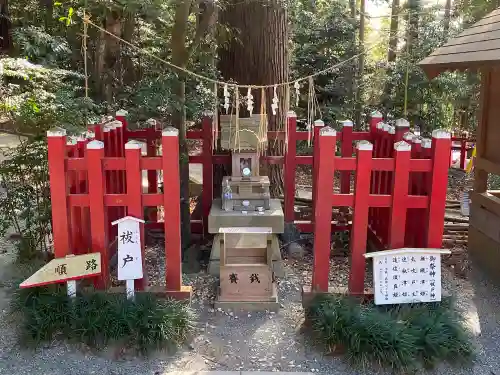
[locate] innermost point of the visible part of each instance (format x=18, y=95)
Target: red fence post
x=401, y=126
x=346, y=152
x=290, y=167
x=121, y=116
x=207, y=194
x=171, y=208
x=441, y=144
x=98, y=215
x=375, y=118
x=56, y=144
x=323, y=208
x=134, y=198
x=401, y=174
x=463, y=152
x=359, y=230
x=152, y=174
x=318, y=125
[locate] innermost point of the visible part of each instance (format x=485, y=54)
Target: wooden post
x=152, y=175
x=207, y=194
x=402, y=126
x=397, y=219
x=359, y=230
x=171, y=208
x=441, y=144
x=323, y=208
x=134, y=197
x=411, y=213
x=98, y=216
x=318, y=125
x=121, y=116
x=375, y=118
x=346, y=151
x=463, y=152
x=419, y=190
x=56, y=143
x=290, y=167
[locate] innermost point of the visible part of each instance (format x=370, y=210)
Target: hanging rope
x=211, y=80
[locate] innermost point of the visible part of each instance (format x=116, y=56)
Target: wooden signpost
x=68, y=269
x=129, y=252
x=407, y=275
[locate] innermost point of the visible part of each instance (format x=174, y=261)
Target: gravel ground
x=227, y=340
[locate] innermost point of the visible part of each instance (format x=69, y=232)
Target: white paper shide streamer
x=296, y=86
x=274, y=106
x=226, y=98
x=250, y=101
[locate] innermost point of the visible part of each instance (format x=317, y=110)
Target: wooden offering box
x=246, y=267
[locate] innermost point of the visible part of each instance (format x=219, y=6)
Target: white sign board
x=129, y=248
x=407, y=275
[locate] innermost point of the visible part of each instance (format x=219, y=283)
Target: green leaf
x=57, y=3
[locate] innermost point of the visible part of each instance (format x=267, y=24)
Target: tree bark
x=180, y=57
x=447, y=17
x=391, y=52
x=5, y=27
x=361, y=67
x=258, y=55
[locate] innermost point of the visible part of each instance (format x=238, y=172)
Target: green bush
x=403, y=338
x=98, y=319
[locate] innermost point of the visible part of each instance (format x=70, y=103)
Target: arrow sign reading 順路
x=65, y=269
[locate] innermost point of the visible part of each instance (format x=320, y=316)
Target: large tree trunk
x=361, y=67
x=259, y=55
x=5, y=25
x=447, y=16
x=180, y=57
x=391, y=52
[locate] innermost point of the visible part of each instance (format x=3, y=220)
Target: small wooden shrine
x=245, y=221
x=478, y=48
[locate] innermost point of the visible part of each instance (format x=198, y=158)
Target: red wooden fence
x=95, y=181
x=398, y=197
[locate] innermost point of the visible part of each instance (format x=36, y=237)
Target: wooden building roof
x=477, y=46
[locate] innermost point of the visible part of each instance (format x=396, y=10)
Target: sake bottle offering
x=228, y=193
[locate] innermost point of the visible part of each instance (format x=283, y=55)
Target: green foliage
x=99, y=319
x=403, y=338
x=25, y=204
x=38, y=97
x=435, y=103
x=40, y=47
x=322, y=37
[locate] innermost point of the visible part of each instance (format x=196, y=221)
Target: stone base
x=272, y=218
x=214, y=265
x=185, y=294
x=270, y=304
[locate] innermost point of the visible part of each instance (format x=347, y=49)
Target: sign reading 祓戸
x=129, y=248
x=407, y=275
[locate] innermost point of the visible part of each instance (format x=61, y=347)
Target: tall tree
x=361, y=65
x=182, y=51
x=258, y=55
x=391, y=51
x=447, y=16
x=5, y=25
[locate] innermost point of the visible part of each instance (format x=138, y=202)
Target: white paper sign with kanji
x=407, y=275
x=129, y=248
